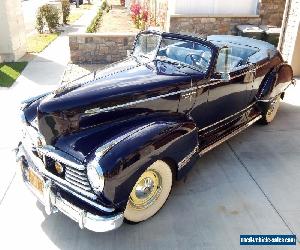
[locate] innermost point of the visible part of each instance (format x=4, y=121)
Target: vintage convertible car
x=107, y=147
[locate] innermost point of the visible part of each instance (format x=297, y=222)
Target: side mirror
x=223, y=65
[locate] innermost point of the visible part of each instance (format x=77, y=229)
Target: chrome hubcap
x=146, y=190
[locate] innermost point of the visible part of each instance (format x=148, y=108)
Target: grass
x=9, y=72
x=86, y=6
x=74, y=16
x=38, y=42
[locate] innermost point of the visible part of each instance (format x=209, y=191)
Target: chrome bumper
x=54, y=203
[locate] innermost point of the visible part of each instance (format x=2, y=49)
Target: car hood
x=61, y=112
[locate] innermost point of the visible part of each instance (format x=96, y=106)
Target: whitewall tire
x=149, y=193
x=272, y=111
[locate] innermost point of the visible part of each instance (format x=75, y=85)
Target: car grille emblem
x=59, y=168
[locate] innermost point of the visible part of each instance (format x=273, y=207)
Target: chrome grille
x=76, y=176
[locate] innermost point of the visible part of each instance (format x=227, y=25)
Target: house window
x=214, y=7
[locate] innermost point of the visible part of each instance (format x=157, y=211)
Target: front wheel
x=149, y=193
x=269, y=116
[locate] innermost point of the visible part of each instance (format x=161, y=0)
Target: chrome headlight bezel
x=95, y=177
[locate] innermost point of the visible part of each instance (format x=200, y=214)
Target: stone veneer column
x=12, y=31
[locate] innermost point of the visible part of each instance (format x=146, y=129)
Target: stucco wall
x=296, y=58
x=12, y=31
x=291, y=42
x=99, y=48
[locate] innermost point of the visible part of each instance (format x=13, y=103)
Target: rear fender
x=131, y=154
x=275, y=82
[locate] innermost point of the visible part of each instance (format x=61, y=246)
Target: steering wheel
x=198, y=62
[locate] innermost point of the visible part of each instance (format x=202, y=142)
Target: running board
x=227, y=137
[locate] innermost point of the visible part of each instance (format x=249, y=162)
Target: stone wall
x=209, y=25
x=271, y=12
x=99, y=48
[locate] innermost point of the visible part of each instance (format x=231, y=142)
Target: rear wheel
x=269, y=116
x=149, y=193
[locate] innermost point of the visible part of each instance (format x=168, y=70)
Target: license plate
x=35, y=180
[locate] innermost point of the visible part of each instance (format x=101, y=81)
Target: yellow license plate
x=36, y=181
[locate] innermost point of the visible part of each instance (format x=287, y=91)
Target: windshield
x=146, y=46
x=185, y=52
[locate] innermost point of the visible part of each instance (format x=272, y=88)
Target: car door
x=228, y=97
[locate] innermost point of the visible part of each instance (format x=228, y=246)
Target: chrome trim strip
x=100, y=110
x=69, y=184
x=82, y=184
x=186, y=159
x=225, y=138
x=61, y=157
x=75, y=172
x=106, y=147
x=226, y=118
x=80, y=177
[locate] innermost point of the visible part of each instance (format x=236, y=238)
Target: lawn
x=9, y=72
x=74, y=16
x=38, y=42
x=86, y=6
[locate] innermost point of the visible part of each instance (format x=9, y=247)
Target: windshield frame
x=179, y=37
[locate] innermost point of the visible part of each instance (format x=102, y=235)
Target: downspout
x=284, y=24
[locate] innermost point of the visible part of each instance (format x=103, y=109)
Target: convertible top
x=261, y=49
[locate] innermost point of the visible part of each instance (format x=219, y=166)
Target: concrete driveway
x=249, y=185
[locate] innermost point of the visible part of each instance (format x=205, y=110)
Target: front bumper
x=54, y=202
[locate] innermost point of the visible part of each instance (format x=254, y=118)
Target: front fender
x=133, y=152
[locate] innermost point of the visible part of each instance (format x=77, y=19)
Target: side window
x=226, y=61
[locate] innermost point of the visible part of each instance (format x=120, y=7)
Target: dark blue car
x=108, y=146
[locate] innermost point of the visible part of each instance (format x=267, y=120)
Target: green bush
x=105, y=6
x=47, y=15
x=65, y=10
x=96, y=22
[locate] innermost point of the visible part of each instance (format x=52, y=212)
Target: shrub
x=47, y=14
x=105, y=6
x=139, y=15
x=96, y=22
x=65, y=10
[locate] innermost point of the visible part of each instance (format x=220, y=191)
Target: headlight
x=96, y=179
